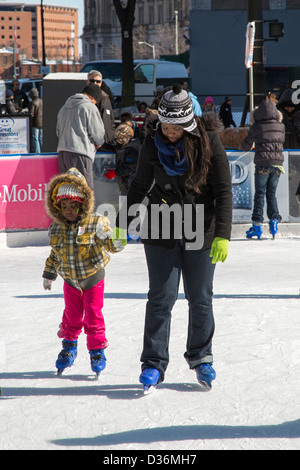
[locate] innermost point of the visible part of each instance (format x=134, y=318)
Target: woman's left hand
x=219, y=250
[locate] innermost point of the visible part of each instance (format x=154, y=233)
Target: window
x=144, y=73
x=151, y=15
x=160, y=13
x=141, y=15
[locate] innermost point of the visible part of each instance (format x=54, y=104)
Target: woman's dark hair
x=198, y=154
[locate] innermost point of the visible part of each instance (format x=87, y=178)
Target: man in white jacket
x=80, y=132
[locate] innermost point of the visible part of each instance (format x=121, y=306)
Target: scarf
x=168, y=157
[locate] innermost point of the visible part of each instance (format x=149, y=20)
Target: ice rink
x=254, y=403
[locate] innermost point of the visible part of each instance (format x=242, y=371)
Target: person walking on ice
x=80, y=240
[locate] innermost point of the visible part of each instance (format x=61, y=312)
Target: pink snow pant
x=83, y=309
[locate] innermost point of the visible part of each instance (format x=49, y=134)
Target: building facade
x=217, y=53
x=161, y=23
x=21, y=32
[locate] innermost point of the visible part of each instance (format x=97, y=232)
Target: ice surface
x=254, y=403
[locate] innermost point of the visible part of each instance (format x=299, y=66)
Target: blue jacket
x=196, y=105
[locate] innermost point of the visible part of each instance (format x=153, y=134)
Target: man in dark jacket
x=20, y=98
x=106, y=111
x=226, y=113
x=268, y=133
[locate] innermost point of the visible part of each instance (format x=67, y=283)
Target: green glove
x=219, y=250
x=119, y=234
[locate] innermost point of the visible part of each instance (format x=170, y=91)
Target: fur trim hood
x=264, y=112
x=72, y=176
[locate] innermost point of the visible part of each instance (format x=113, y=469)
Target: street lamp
x=176, y=31
x=150, y=45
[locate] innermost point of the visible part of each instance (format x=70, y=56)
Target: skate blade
x=206, y=385
x=148, y=389
x=65, y=371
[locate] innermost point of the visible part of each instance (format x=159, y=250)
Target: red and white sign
x=250, y=36
x=23, y=182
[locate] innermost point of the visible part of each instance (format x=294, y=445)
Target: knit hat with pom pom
x=175, y=107
x=69, y=191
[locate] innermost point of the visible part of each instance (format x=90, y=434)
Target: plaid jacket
x=80, y=249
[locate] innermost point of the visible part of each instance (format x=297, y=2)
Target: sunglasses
x=92, y=80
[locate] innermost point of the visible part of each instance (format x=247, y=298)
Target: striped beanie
x=176, y=107
x=69, y=191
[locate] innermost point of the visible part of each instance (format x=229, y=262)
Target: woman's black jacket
x=151, y=180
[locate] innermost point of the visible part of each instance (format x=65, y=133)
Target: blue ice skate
x=254, y=231
x=98, y=360
x=205, y=375
x=149, y=378
x=67, y=356
x=133, y=238
x=273, y=227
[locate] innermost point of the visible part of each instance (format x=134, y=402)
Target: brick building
x=21, y=32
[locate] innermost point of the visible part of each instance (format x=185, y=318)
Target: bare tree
x=125, y=12
x=164, y=41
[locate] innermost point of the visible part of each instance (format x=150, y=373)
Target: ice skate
x=98, y=361
x=67, y=356
x=149, y=378
x=205, y=375
x=254, y=231
x=273, y=227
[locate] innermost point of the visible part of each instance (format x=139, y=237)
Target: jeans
x=266, y=182
x=37, y=139
x=165, y=268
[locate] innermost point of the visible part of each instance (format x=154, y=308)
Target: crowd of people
x=17, y=102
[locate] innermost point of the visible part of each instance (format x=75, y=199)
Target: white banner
x=250, y=35
x=14, y=134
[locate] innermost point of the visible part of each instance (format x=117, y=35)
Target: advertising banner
x=23, y=182
x=24, y=179
x=14, y=134
x=242, y=171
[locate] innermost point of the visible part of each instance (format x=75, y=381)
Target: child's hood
x=72, y=176
x=266, y=111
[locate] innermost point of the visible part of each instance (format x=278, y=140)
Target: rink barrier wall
x=24, y=178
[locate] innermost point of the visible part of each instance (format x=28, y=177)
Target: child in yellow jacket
x=80, y=240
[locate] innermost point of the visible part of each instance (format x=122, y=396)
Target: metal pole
x=176, y=31
x=255, y=13
x=251, y=91
x=43, y=34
